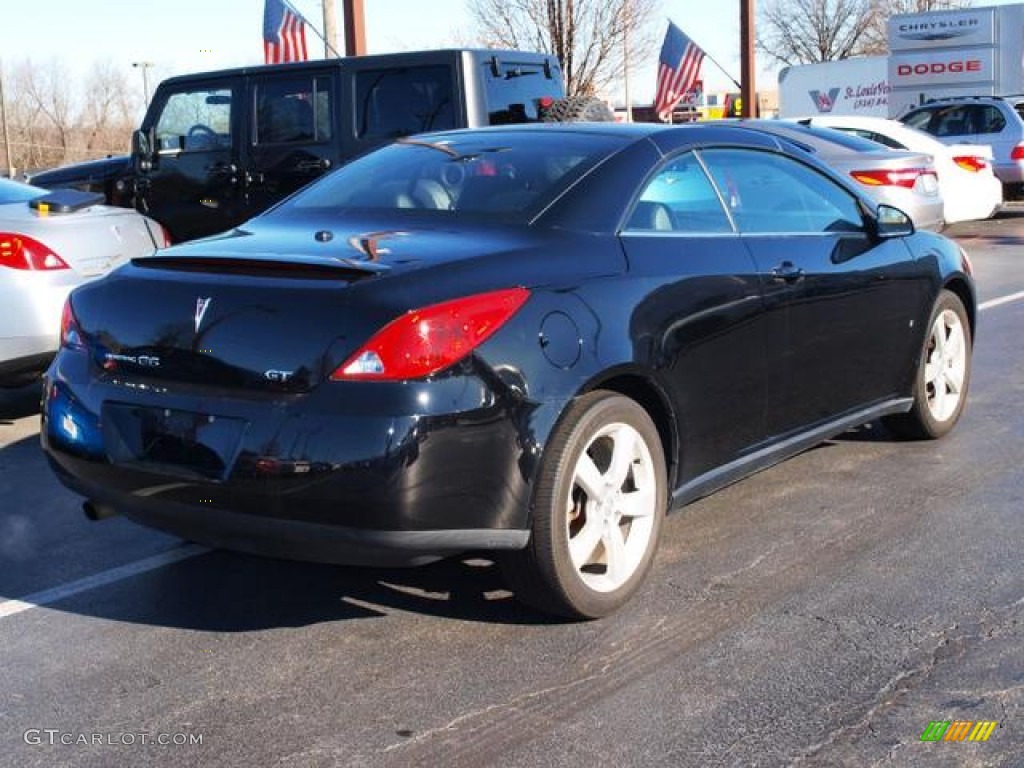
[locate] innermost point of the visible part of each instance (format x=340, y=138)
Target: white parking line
x=47, y=596
x=1001, y=300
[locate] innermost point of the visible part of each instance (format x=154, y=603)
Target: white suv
x=993, y=120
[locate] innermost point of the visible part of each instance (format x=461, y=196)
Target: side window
x=398, y=102
x=988, y=119
x=515, y=90
x=679, y=198
x=952, y=122
x=293, y=110
x=193, y=121
x=767, y=193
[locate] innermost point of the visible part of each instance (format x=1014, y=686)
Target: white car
x=51, y=242
x=970, y=189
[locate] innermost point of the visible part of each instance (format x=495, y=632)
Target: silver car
x=51, y=242
x=993, y=120
x=904, y=179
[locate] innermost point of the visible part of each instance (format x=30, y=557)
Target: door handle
x=787, y=272
x=221, y=170
x=318, y=164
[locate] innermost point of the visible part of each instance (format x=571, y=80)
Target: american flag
x=678, y=70
x=284, y=33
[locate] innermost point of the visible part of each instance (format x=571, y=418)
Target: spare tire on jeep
x=578, y=109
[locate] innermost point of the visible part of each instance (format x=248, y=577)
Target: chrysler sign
x=942, y=30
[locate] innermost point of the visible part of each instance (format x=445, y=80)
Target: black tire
x=934, y=413
x=544, y=575
x=578, y=109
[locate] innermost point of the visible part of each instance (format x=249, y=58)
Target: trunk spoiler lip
x=298, y=263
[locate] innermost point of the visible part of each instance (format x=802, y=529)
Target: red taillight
x=70, y=333
x=165, y=241
x=971, y=163
x=24, y=252
x=424, y=341
x=1017, y=153
x=906, y=177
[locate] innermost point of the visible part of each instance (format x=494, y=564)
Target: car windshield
x=16, y=192
x=506, y=174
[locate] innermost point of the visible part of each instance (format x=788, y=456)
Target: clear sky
x=181, y=36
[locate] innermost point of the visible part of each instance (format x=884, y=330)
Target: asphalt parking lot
x=821, y=613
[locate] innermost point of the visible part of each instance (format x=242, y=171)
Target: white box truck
x=858, y=86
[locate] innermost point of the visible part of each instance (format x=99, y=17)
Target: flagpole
x=330, y=49
x=735, y=82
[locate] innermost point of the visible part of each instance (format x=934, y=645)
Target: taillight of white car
x=971, y=163
x=27, y=253
x=924, y=179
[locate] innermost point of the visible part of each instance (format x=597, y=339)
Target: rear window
x=491, y=173
x=514, y=91
x=847, y=140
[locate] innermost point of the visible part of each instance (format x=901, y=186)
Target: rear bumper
x=1009, y=173
x=293, y=539
x=977, y=202
x=327, y=476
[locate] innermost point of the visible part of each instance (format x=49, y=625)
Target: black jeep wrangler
x=217, y=148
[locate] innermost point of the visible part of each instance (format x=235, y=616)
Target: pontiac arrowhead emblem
x=201, y=306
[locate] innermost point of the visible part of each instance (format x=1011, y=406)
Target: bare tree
x=587, y=36
x=807, y=31
x=107, y=113
x=53, y=118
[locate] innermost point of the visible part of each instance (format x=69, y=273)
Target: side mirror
x=892, y=222
x=142, y=150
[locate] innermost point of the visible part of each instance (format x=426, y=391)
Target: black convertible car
x=534, y=340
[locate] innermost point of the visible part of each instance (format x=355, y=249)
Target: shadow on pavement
x=229, y=592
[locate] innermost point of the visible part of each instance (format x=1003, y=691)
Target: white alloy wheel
x=945, y=369
x=611, y=507
x=943, y=373
x=598, y=506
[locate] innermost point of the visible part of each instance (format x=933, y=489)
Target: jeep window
x=293, y=109
x=401, y=101
x=514, y=90
x=195, y=121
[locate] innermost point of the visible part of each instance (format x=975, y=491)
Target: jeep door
x=291, y=134
x=193, y=187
